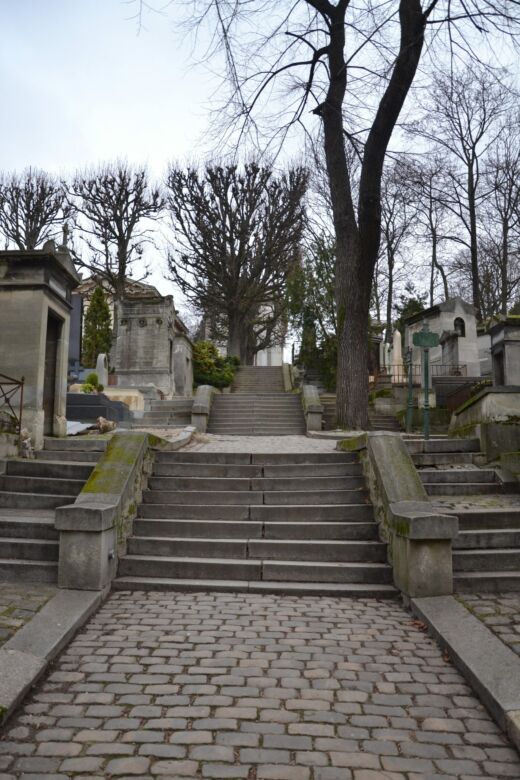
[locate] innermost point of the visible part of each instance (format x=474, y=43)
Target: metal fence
x=11, y=399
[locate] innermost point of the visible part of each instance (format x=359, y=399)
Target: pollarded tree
x=355, y=63
x=115, y=204
x=237, y=236
x=97, y=335
x=32, y=208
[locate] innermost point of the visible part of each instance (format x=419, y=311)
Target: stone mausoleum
x=35, y=304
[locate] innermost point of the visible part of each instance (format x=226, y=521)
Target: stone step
x=231, y=529
x=255, y=497
x=261, y=459
x=49, y=469
x=232, y=569
x=67, y=487
x=27, y=528
x=488, y=539
x=486, y=582
x=252, y=549
x=463, y=488
x=14, y=500
x=487, y=519
x=259, y=430
x=68, y=455
x=444, y=445
x=255, y=484
x=29, y=549
x=347, y=590
x=28, y=571
x=229, y=471
x=75, y=444
x=431, y=476
x=352, y=513
x=422, y=459
x=497, y=559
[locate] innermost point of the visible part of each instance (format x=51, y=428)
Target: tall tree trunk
x=390, y=297
x=235, y=334
x=504, y=286
x=472, y=208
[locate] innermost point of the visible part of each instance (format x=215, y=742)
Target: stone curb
x=26, y=656
x=489, y=666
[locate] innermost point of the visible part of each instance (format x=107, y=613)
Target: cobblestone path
x=19, y=603
x=173, y=685
x=500, y=612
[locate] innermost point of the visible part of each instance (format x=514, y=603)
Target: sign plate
x=425, y=339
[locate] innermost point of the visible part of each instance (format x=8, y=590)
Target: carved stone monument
x=35, y=306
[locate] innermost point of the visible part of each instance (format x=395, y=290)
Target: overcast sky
x=78, y=86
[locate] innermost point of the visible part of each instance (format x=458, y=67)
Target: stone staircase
x=175, y=413
x=278, y=523
x=30, y=490
x=257, y=406
x=265, y=414
x=378, y=421
x=255, y=379
x=486, y=552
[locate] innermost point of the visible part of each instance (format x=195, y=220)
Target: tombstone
x=505, y=352
x=35, y=305
x=143, y=350
x=102, y=369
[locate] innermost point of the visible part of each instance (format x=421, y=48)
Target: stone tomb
x=505, y=352
x=35, y=306
x=151, y=349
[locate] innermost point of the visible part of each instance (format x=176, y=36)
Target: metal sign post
x=409, y=405
x=426, y=340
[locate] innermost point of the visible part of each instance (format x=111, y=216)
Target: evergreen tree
x=97, y=336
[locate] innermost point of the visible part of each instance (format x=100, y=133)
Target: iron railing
x=400, y=372
x=9, y=388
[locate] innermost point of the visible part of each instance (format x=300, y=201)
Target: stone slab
x=491, y=668
x=27, y=654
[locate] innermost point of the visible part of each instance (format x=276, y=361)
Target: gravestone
x=102, y=369
x=35, y=304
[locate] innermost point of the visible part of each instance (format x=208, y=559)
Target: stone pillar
x=35, y=306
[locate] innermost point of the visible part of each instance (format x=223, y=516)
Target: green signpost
x=426, y=340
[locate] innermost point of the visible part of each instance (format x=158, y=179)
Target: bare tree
x=502, y=212
x=115, y=204
x=346, y=59
x=32, y=208
x=463, y=121
x=237, y=235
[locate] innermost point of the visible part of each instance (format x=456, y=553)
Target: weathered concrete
x=202, y=407
x=490, y=667
x=419, y=538
x=312, y=407
x=93, y=530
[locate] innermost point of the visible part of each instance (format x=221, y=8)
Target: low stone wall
x=201, y=408
x=312, y=407
x=419, y=538
x=493, y=416
x=8, y=446
x=94, y=530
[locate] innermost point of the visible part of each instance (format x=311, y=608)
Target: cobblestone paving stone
x=19, y=603
x=261, y=687
x=500, y=612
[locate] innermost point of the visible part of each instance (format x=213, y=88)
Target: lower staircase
x=486, y=552
x=30, y=490
x=276, y=523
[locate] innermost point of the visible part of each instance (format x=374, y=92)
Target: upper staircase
x=486, y=552
x=257, y=405
x=279, y=523
x=30, y=490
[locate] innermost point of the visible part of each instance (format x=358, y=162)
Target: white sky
x=79, y=86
